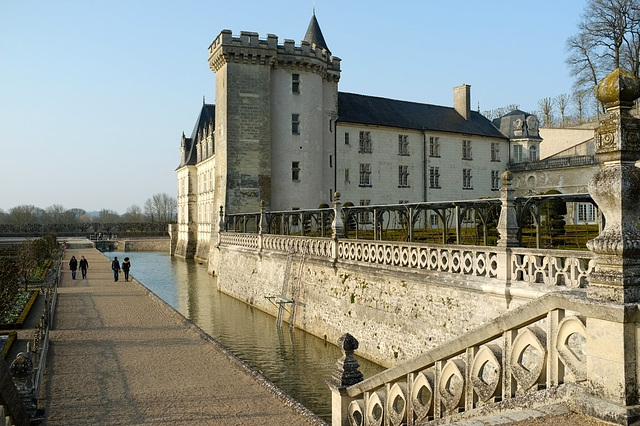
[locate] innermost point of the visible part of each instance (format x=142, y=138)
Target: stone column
x=347, y=373
x=613, y=344
x=337, y=227
x=507, y=227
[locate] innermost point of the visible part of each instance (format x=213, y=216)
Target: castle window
x=466, y=179
x=295, y=171
x=434, y=147
x=346, y=176
x=295, y=83
x=466, y=150
x=495, y=151
x=585, y=213
x=295, y=124
x=346, y=138
x=403, y=145
x=365, y=174
x=434, y=219
x=495, y=180
x=365, y=142
x=331, y=161
x=403, y=176
x=533, y=153
x=434, y=177
x=517, y=153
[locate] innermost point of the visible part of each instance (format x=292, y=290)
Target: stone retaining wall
x=144, y=244
x=395, y=314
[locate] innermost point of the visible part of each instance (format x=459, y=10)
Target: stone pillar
x=613, y=344
x=507, y=227
x=337, y=227
x=347, y=373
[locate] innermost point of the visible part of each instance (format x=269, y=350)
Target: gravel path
x=120, y=356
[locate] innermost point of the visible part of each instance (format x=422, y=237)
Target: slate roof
x=314, y=34
x=207, y=114
x=371, y=110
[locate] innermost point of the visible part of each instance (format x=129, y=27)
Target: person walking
x=73, y=265
x=84, y=265
x=126, y=265
x=115, y=265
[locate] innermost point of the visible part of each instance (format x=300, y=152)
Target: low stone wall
x=394, y=313
x=144, y=244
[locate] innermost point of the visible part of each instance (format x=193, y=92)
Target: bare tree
x=55, y=214
x=579, y=99
x=134, y=214
x=161, y=208
x=499, y=112
x=24, y=214
x=562, y=101
x=108, y=216
x=546, y=111
x=608, y=38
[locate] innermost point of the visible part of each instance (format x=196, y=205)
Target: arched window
x=533, y=153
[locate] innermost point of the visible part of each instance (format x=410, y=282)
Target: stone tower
x=274, y=120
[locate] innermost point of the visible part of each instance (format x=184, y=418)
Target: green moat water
x=295, y=361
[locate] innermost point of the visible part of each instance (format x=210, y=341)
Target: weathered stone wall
x=145, y=244
x=395, y=314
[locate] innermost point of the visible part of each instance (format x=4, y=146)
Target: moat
x=295, y=361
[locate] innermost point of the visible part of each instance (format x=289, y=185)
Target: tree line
x=159, y=208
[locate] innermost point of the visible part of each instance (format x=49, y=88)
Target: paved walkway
x=120, y=356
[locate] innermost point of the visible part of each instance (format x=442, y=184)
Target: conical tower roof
x=314, y=34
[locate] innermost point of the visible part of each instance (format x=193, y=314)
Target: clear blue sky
x=94, y=95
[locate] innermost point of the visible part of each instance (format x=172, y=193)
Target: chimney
x=462, y=100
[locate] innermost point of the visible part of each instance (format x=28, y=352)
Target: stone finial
x=347, y=371
x=619, y=89
x=221, y=222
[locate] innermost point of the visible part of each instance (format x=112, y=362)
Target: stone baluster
x=613, y=344
x=347, y=373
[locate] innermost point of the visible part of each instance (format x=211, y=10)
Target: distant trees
x=608, y=38
x=161, y=208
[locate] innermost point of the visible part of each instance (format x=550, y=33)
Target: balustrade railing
x=568, y=268
x=539, y=345
x=551, y=267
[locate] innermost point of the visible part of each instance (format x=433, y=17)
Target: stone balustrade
x=542, y=345
x=565, y=268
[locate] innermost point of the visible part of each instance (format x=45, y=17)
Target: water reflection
x=297, y=362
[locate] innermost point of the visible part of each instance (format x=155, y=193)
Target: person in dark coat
x=126, y=265
x=73, y=265
x=115, y=265
x=84, y=265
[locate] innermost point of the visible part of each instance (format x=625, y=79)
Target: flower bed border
x=23, y=315
x=10, y=341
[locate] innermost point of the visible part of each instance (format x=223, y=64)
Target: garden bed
x=15, y=315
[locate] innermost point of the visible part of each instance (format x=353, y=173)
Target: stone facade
x=280, y=132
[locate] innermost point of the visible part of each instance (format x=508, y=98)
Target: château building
x=280, y=131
